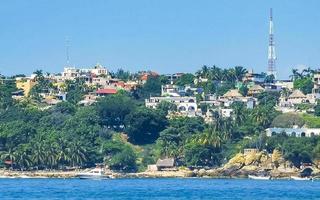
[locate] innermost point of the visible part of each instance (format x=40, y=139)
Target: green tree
x=185, y=79
x=144, y=125
x=304, y=84
x=113, y=110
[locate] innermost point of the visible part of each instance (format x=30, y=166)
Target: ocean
x=193, y=188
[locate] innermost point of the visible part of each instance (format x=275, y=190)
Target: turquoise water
x=157, y=189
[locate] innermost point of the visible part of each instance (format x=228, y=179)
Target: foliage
x=311, y=121
x=143, y=125
x=119, y=156
x=304, y=84
x=288, y=120
x=113, y=110
x=152, y=87
x=185, y=79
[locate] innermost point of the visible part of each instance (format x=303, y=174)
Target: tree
x=7, y=86
x=304, y=84
x=75, y=90
x=239, y=72
x=122, y=75
x=185, y=79
x=77, y=153
x=113, y=110
x=144, y=125
x=166, y=106
x=169, y=144
x=288, y=120
x=152, y=87
x=201, y=155
x=119, y=156
x=317, y=109
x=269, y=78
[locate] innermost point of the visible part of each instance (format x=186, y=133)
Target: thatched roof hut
x=234, y=93
x=297, y=94
x=166, y=163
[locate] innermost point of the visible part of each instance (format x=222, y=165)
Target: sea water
x=158, y=189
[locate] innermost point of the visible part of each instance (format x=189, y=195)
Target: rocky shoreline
x=202, y=173
x=240, y=166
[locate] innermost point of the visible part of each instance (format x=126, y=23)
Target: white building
x=186, y=105
x=70, y=73
x=171, y=90
x=294, y=132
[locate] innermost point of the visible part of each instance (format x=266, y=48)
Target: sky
x=166, y=36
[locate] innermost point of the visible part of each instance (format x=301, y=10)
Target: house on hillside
x=297, y=97
x=293, y=132
x=105, y=92
x=233, y=95
x=25, y=84
x=185, y=105
x=146, y=75
x=255, y=90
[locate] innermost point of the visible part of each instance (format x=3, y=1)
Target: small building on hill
x=106, y=91
x=255, y=90
x=166, y=164
x=297, y=97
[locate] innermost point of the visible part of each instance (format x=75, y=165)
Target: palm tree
x=209, y=137
x=38, y=155
x=204, y=71
x=260, y=115
x=239, y=113
x=51, y=154
x=77, y=153
x=9, y=155
x=295, y=74
x=62, y=151
x=239, y=72
x=23, y=157
x=215, y=73
x=39, y=75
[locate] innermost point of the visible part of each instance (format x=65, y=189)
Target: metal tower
x=271, y=50
x=67, y=51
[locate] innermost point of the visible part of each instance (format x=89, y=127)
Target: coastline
x=212, y=173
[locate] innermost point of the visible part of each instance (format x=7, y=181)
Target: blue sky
x=162, y=35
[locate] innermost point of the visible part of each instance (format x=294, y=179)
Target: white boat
x=296, y=178
x=96, y=173
x=259, y=177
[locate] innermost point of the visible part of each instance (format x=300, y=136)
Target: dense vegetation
x=119, y=131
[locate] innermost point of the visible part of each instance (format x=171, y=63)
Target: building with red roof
x=106, y=91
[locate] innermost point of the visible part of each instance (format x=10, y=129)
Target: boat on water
x=259, y=177
x=96, y=173
x=297, y=178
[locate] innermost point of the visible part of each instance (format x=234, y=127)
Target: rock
x=236, y=162
x=202, y=172
x=276, y=156
x=250, y=158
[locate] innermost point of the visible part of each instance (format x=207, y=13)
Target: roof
x=106, y=91
x=167, y=162
x=232, y=93
x=297, y=94
x=256, y=87
x=146, y=75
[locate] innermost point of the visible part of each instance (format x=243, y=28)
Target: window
x=293, y=134
x=182, y=108
x=303, y=134
x=191, y=108
x=312, y=134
